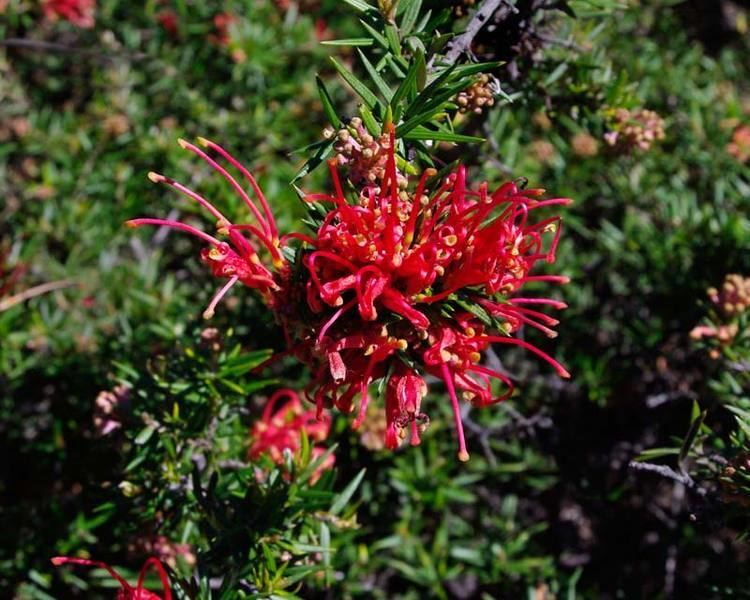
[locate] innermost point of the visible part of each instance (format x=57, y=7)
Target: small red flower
x=126, y=591
x=281, y=428
x=395, y=284
x=222, y=23
x=169, y=21
x=79, y=12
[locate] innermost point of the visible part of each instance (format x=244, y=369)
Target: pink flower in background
x=78, y=12
x=126, y=591
x=166, y=550
x=109, y=408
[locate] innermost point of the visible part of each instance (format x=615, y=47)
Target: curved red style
x=126, y=591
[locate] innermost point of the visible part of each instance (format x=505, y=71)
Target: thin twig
x=657, y=400
x=57, y=47
x=667, y=472
x=33, y=292
x=462, y=43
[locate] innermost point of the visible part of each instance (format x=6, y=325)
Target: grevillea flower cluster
x=280, y=428
x=126, y=591
x=478, y=96
x=734, y=296
x=631, y=130
x=398, y=282
x=731, y=302
x=362, y=154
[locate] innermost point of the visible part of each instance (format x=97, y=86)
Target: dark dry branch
x=45, y=46
x=669, y=473
x=462, y=43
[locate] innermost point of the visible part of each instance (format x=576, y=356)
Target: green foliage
x=406, y=83
x=547, y=506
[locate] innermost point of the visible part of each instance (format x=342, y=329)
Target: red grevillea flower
x=394, y=284
x=126, y=591
x=78, y=12
x=280, y=428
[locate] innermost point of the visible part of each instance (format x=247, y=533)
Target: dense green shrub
x=126, y=421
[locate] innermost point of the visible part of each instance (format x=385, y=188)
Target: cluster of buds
x=372, y=431
x=126, y=591
x=734, y=296
x=541, y=119
x=584, y=145
x=116, y=125
x=631, y=130
x=362, y=154
x=280, y=430
x=109, y=408
x=731, y=302
x=394, y=284
x=542, y=151
x=735, y=480
x=477, y=96
x=78, y=12
x=722, y=333
x=739, y=147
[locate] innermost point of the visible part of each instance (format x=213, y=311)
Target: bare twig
x=33, y=292
x=40, y=45
x=669, y=473
x=656, y=400
x=462, y=43
x=57, y=47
